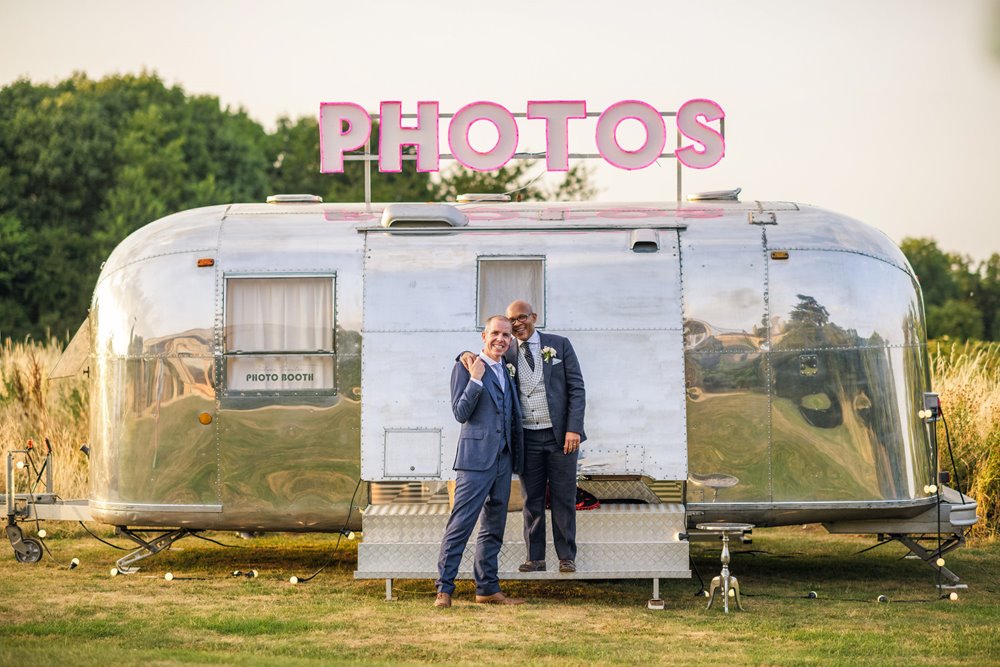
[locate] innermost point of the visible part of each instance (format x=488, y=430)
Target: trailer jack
x=147, y=548
x=26, y=549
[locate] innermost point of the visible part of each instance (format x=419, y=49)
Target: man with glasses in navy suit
x=553, y=401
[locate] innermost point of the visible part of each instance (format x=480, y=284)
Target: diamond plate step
x=613, y=542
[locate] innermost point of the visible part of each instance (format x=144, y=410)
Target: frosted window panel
x=279, y=315
x=504, y=280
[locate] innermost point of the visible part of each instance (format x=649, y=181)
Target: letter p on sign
x=343, y=127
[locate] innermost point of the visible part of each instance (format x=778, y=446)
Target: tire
x=34, y=554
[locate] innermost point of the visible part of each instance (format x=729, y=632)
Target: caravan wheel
x=33, y=551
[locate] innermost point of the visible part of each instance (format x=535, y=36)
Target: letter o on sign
x=458, y=136
x=607, y=135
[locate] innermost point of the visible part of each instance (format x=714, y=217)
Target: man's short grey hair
x=490, y=319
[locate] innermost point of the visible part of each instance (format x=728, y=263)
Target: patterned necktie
x=529, y=357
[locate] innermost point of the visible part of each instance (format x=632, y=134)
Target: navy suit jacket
x=488, y=420
x=563, y=385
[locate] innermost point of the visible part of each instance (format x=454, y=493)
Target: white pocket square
x=556, y=361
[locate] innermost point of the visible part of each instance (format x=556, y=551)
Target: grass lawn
x=51, y=615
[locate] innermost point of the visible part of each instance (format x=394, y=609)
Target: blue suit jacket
x=563, y=385
x=488, y=417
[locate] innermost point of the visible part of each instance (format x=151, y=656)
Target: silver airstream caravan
x=254, y=365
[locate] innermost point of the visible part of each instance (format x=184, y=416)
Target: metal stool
x=725, y=581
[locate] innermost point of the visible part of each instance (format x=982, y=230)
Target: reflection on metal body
x=804, y=373
x=786, y=389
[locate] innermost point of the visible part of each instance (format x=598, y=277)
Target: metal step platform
x=615, y=541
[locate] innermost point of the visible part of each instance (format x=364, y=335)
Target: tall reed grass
x=966, y=375
x=32, y=407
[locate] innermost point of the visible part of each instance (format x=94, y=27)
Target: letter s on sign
x=689, y=123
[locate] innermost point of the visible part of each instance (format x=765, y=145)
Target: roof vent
x=422, y=216
x=644, y=240
x=475, y=198
x=716, y=195
x=294, y=199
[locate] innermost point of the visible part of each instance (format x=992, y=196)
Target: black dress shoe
x=532, y=566
x=567, y=565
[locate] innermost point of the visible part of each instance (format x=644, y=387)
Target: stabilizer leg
x=147, y=548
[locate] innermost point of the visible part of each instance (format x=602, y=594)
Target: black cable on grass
x=342, y=532
x=209, y=539
x=875, y=546
x=114, y=546
x=951, y=455
x=702, y=590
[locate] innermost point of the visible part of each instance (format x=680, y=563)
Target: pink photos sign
x=346, y=127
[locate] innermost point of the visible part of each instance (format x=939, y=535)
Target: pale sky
x=886, y=111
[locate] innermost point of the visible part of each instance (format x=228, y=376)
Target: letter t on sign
x=343, y=127
x=556, y=116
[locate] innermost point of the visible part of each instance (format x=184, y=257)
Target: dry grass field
x=50, y=614
x=34, y=407
x=967, y=376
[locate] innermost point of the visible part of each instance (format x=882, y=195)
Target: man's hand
x=478, y=368
x=572, y=442
x=468, y=359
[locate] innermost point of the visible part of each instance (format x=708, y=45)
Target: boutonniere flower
x=548, y=354
x=511, y=369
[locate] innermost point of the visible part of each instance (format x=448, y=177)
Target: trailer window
x=506, y=279
x=279, y=334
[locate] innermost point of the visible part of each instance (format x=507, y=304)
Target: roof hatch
x=716, y=195
x=427, y=216
x=294, y=199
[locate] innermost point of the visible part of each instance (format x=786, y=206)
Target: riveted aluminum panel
x=149, y=446
x=849, y=431
x=195, y=231
x=724, y=273
x=728, y=426
x=161, y=306
x=420, y=312
x=826, y=299
x=817, y=229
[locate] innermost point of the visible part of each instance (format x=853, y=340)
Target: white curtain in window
x=279, y=316
x=504, y=280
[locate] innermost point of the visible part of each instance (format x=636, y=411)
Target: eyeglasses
x=523, y=317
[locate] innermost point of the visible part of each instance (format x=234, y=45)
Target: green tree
x=85, y=163
x=959, y=301
x=958, y=319
x=934, y=269
x=295, y=169
x=520, y=179
x=988, y=296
